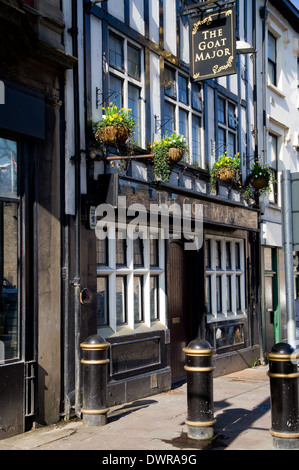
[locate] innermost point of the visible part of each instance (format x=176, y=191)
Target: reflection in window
x=121, y=316
x=138, y=252
x=138, y=299
x=169, y=82
x=154, y=280
x=8, y=168
x=9, y=319
x=116, y=52
x=272, y=64
x=102, y=300
x=134, y=64
x=134, y=105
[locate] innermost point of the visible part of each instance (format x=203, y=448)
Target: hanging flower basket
x=112, y=135
x=175, y=155
x=115, y=127
x=226, y=174
x=226, y=168
x=259, y=182
x=168, y=151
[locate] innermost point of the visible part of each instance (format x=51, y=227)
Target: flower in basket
x=226, y=168
x=260, y=179
x=259, y=176
x=169, y=150
x=116, y=125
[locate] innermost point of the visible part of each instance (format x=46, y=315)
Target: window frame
x=126, y=79
x=182, y=100
x=216, y=278
x=14, y=199
x=226, y=127
x=131, y=272
x=273, y=166
x=272, y=61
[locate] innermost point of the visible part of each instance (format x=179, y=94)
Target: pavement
x=156, y=425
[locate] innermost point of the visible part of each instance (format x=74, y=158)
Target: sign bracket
x=209, y=4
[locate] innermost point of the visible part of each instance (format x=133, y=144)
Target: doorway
x=185, y=292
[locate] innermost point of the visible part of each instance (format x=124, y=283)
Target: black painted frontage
x=29, y=223
x=150, y=359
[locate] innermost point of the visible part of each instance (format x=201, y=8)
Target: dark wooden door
x=177, y=307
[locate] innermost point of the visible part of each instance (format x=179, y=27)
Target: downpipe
x=77, y=278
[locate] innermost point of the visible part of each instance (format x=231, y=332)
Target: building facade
x=147, y=296
x=151, y=297
x=33, y=64
x=278, y=123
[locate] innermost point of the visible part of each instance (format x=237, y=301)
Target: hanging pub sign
x=213, y=44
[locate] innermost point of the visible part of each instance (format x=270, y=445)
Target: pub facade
x=149, y=297
x=92, y=242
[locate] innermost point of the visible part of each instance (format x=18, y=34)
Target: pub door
x=185, y=294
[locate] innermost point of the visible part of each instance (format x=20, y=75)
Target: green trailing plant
x=224, y=164
x=162, y=158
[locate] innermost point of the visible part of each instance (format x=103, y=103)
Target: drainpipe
x=258, y=250
x=77, y=158
x=264, y=16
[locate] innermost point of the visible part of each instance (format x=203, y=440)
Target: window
x=126, y=80
x=273, y=163
x=130, y=281
x=272, y=59
x=182, y=112
x=227, y=127
x=225, y=276
x=9, y=252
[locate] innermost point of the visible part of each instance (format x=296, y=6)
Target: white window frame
x=128, y=79
x=225, y=126
x=212, y=272
x=178, y=105
x=112, y=270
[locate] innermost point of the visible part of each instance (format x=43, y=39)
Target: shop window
x=126, y=87
x=225, y=276
x=9, y=252
x=182, y=112
x=131, y=285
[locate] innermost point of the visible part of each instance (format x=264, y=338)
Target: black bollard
x=284, y=377
x=95, y=378
x=200, y=416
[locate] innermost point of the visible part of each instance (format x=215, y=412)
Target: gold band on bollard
x=199, y=369
x=285, y=435
x=282, y=357
x=275, y=375
x=94, y=347
x=199, y=352
x=94, y=362
x=199, y=424
x=94, y=412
